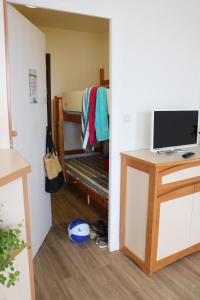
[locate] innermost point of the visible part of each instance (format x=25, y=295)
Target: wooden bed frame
x=59, y=117
x=103, y=81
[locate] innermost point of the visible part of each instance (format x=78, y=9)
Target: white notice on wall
x=33, y=88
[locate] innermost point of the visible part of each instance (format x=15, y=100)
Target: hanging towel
x=85, y=117
x=101, y=116
x=92, y=131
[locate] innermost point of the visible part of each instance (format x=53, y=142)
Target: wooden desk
x=160, y=207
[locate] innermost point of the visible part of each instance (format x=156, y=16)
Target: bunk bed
x=85, y=172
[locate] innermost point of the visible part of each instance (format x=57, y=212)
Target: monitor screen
x=174, y=128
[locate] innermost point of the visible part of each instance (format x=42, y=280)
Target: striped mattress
x=90, y=171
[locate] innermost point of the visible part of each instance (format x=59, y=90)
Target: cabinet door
x=22, y=289
x=195, y=223
x=175, y=222
x=136, y=211
x=13, y=213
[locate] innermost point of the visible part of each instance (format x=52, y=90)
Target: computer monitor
x=173, y=129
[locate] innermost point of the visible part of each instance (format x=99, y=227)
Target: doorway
x=75, y=130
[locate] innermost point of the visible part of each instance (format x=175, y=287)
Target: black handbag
x=54, y=179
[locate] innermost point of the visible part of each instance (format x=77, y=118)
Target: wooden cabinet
x=14, y=210
x=160, y=207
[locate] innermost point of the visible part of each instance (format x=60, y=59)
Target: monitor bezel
x=171, y=148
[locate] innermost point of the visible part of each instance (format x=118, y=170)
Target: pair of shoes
x=102, y=242
x=100, y=228
x=100, y=225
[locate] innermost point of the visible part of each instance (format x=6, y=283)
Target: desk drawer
x=181, y=175
x=178, y=176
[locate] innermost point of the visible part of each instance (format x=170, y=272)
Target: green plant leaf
x=10, y=243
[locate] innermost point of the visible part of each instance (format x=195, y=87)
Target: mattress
x=72, y=101
x=90, y=171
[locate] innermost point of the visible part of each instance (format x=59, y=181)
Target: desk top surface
x=12, y=165
x=163, y=159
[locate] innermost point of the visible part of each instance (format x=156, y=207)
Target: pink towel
x=92, y=131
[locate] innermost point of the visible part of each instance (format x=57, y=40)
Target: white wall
x=4, y=126
x=76, y=58
x=155, y=63
x=162, y=63
x=27, y=50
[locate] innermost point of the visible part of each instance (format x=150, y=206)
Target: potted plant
x=10, y=245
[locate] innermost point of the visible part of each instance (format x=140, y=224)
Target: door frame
x=114, y=166
x=5, y=113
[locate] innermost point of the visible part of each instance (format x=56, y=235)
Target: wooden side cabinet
x=160, y=208
x=14, y=210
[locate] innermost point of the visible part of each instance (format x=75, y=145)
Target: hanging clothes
x=101, y=115
x=92, y=131
x=85, y=117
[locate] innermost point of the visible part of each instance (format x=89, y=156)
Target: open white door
x=27, y=66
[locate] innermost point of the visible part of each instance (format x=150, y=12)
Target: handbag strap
x=50, y=149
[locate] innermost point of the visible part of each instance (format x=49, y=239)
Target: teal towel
x=101, y=115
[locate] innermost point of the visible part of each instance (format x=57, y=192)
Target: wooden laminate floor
x=64, y=270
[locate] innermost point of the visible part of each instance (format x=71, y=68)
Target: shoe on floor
x=100, y=228
x=100, y=225
x=102, y=240
x=93, y=234
x=102, y=244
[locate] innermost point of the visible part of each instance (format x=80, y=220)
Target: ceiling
x=63, y=20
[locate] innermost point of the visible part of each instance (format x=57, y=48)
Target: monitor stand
x=171, y=151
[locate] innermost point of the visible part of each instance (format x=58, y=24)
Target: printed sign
x=33, y=88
